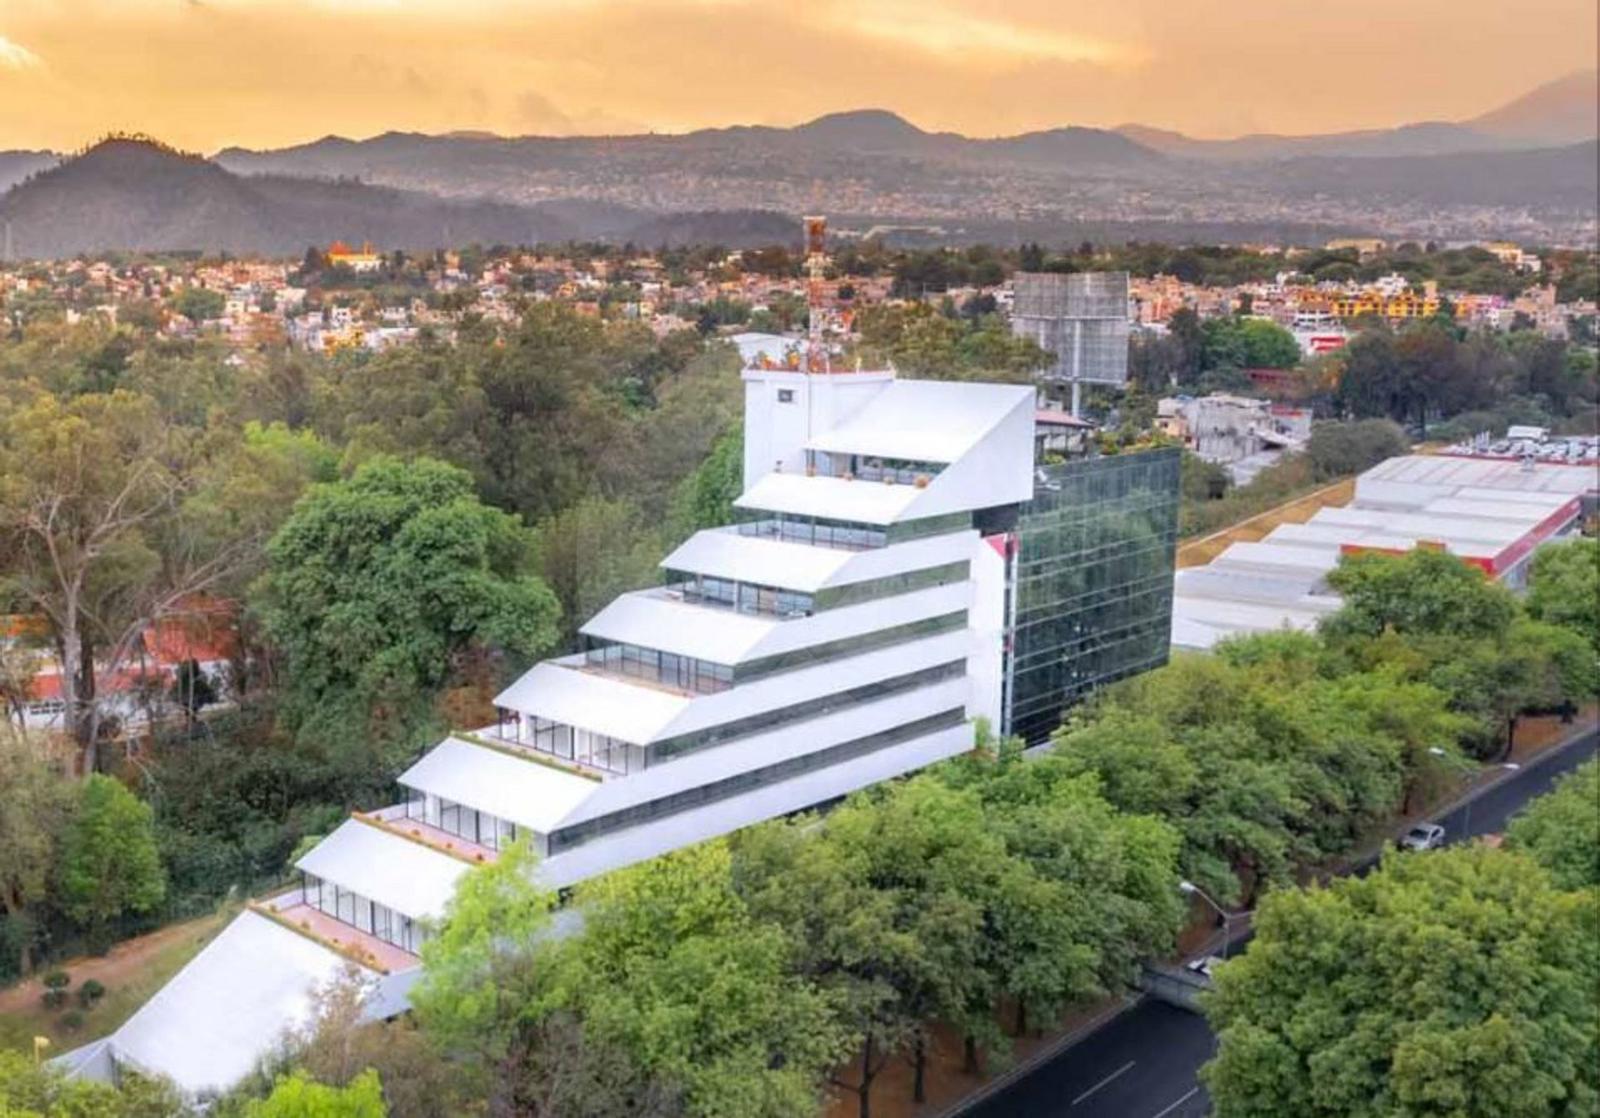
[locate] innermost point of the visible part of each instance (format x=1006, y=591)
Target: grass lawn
x=131, y=972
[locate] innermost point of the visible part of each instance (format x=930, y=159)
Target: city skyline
x=204, y=74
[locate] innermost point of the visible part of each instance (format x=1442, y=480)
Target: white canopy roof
x=719, y=553
x=527, y=793
x=620, y=708
x=834, y=498
x=383, y=867
x=207, y=1027
x=924, y=421
x=652, y=620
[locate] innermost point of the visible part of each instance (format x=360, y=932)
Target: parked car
x=1424, y=836
x=1203, y=966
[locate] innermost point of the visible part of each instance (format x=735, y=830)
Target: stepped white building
x=846, y=630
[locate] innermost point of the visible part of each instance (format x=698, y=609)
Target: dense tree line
x=981, y=898
x=1431, y=371
x=390, y=536
x=1460, y=981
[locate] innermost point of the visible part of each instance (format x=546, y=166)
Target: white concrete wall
x=775, y=433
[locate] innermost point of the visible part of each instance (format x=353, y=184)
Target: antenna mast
x=816, y=347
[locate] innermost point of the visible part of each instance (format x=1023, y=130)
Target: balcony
x=395, y=820
x=579, y=752
x=290, y=910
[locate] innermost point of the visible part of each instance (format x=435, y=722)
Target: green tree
x=199, y=303
x=30, y=1090
x=593, y=551
x=298, y=1096
x=34, y=812
x=479, y=987
x=1372, y=383
x=1424, y=591
x=1564, y=587
x=672, y=969
x=110, y=864
x=705, y=498
x=1561, y=829
x=379, y=586
x=1345, y=449
x=1373, y=997
x=339, y=1044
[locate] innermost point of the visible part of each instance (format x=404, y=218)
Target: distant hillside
x=1560, y=176
x=495, y=165
x=1430, y=138
x=18, y=165
x=130, y=194
x=1557, y=113
x=1564, y=111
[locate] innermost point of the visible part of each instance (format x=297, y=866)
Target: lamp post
x=1189, y=888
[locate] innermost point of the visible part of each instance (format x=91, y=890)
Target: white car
x=1424, y=836
x=1204, y=966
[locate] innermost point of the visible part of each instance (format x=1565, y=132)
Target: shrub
x=55, y=988
x=72, y=1019
x=90, y=992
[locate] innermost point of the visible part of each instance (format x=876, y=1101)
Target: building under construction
x=1082, y=318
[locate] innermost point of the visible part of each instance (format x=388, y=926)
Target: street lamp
x=1190, y=889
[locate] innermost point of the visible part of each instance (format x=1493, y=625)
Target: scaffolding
x=1082, y=319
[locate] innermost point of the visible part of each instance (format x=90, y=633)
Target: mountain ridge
x=133, y=194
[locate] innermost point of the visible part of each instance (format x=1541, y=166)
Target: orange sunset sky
x=203, y=74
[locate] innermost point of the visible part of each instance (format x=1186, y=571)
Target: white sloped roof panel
x=629, y=710
x=924, y=420
x=207, y=1027
x=383, y=867
x=652, y=619
x=722, y=553
x=832, y=498
x=527, y=793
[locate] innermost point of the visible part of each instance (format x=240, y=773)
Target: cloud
x=281, y=71
x=15, y=56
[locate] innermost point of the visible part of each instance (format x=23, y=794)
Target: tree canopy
x=1457, y=982
x=377, y=584
x=1561, y=830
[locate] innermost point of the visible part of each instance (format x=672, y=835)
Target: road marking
x=1193, y=1091
x=1101, y=1084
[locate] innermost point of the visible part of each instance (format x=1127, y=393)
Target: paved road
x=1145, y=1063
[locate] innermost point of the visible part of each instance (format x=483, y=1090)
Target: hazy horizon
x=208, y=74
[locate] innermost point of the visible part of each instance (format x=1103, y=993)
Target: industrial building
x=1492, y=512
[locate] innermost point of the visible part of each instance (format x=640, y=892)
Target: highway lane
x=1145, y=1062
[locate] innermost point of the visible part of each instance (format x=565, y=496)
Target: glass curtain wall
x=349, y=907
x=1095, y=558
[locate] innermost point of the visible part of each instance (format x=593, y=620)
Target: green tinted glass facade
x=1093, y=587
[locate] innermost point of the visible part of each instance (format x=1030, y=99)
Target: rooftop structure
x=1491, y=512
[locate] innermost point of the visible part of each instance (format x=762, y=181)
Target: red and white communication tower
x=816, y=259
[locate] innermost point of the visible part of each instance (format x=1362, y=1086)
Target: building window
x=785, y=395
